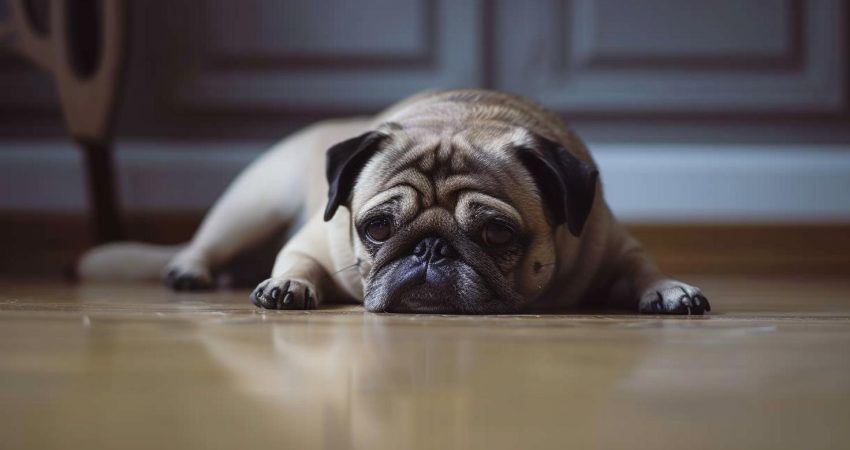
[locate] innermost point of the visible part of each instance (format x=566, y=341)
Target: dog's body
x=456, y=201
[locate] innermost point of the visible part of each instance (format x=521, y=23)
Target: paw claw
x=673, y=297
x=705, y=303
x=309, y=303
x=276, y=293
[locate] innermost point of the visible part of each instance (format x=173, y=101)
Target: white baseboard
x=726, y=183
x=643, y=183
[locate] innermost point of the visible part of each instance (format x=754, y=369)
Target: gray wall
x=620, y=70
x=712, y=110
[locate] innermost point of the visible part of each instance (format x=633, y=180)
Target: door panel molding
x=445, y=54
x=567, y=68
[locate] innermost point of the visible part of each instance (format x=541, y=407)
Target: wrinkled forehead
x=446, y=168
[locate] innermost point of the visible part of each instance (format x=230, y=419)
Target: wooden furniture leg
x=84, y=52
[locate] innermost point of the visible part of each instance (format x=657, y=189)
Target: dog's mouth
x=423, y=288
x=451, y=287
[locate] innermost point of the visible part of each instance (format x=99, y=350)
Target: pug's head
x=457, y=220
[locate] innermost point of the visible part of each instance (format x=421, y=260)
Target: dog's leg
x=258, y=203
x=638, y=282
x=267, y=195
x=300, y=277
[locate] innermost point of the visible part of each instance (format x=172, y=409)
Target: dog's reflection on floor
x=401, y=382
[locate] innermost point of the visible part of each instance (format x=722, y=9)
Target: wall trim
x=47, y=244
x=644, y=183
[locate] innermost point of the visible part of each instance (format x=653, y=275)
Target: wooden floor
x=137, y=367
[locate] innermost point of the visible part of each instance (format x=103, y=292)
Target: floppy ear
x=567, y=184
x=344, y=161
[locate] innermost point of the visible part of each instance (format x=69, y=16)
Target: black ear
x=567, y=184
x=344, y=161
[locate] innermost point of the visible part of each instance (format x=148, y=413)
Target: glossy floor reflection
x=139, y=367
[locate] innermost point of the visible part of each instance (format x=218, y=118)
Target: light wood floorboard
x=109, y=367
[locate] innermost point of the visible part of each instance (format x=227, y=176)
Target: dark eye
x=495, y=234
x=379, y=229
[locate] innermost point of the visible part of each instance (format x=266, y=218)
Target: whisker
x=357, y=264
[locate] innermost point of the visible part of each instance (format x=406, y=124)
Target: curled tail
x=125, y=261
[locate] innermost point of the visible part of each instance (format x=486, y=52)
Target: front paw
x=285, y=293
x=673, y=297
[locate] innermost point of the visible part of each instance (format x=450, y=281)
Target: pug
x=449, y=202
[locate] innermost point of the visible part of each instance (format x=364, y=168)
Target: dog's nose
x=433, y=249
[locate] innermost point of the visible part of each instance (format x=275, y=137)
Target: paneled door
x=617, y=69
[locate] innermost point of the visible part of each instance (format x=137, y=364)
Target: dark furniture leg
x=102, y=190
